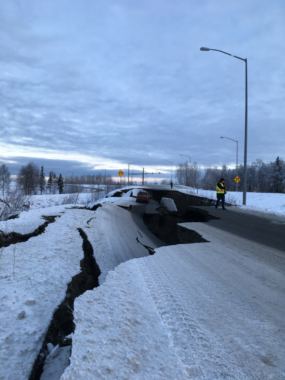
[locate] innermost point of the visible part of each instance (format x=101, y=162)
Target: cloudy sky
x=103, y=83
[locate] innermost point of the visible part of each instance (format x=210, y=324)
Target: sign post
x=121, y=173
x=237, y=181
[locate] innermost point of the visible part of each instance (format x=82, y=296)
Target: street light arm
x=224, y=52
x=229, y=138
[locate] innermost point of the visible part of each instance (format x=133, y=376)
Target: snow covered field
x=205, y=311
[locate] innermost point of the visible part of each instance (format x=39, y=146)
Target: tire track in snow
x=192, y=345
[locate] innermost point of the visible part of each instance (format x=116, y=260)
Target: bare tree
x=188, y=174
x=13, y=204
x=28, y=178
x=4, y=179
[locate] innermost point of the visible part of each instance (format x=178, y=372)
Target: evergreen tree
x=278, y=176
x=42, y=180
x=60, y=184
x=52, y=182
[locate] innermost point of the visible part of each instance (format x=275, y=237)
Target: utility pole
x=143, y=177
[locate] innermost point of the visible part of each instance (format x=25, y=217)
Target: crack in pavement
x=151, y=250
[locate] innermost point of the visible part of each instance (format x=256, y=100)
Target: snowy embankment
x=264, y=202
x=33, y=280
x=118, y=235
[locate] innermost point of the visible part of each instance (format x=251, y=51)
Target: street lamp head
x=203, y=48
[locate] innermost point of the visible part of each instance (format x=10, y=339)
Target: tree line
x=261, y=177
x=31, y=180
x=98, y=179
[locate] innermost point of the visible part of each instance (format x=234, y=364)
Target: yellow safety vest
x=219, y=190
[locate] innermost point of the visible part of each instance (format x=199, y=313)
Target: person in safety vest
x=221, y=192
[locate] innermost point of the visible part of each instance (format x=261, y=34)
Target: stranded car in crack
x=140, y=195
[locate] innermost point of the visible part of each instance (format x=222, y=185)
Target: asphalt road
x=265, y=229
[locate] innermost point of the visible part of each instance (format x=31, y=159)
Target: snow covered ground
x=48, y=200
x=33, y=279
x=28, y=221
x=54, y=204
x=205, y=311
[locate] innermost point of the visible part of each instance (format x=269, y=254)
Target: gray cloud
x=126, y=81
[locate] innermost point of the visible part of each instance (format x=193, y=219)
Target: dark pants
x=220, y=198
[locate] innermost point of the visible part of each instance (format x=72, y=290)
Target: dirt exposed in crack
x=62, y=324
x=15, y=237
x=11, y=217
x=94, y=208
x=166, y=228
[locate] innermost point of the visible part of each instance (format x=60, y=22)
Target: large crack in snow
x=166, y=227
x=62, y=325
x=15, y=237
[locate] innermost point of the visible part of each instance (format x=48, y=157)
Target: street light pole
x=235, y=141
x=245, y=118
x=245, y=138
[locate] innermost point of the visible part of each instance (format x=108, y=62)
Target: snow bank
x=48, y=200
x=265, y=202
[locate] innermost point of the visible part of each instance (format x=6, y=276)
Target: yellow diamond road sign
x=237, y=179
x=120, y=173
